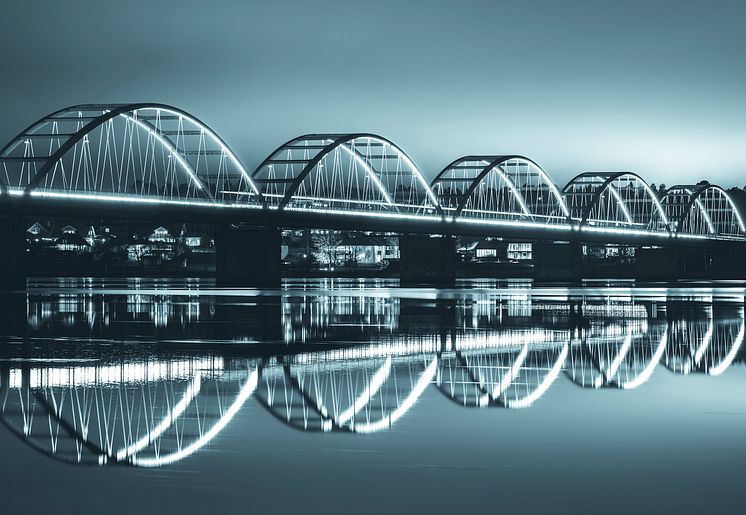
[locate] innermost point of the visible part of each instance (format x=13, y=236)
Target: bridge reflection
x=153, y=405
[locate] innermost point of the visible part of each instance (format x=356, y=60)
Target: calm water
x=351, y=396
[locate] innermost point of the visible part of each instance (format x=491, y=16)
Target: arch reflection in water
x=151, y=409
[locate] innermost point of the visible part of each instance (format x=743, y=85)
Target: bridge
x=156, y=409
x=148, y=161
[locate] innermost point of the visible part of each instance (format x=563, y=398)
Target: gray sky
x=657, y=87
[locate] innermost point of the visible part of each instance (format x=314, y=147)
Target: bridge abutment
x=247, y=256
x=427, y=260
x=12, y=254
x=557, y=261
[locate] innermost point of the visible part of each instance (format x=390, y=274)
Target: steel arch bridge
x=703, y=210
x=500, y=188
x=124, y=151
x=90, y=158
x=615, y=200
x=344, y=172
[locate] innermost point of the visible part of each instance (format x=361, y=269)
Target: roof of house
x=490, y=243
x=38, y=229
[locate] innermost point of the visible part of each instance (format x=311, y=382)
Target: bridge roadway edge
x=676, y=258
x=112, y=211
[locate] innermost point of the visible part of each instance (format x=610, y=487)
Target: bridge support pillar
x=12, y=254
x=726, y=263
x=557, y=261
x=670, y=264
x=427, y=260
x=247, y=256
x=658, y=264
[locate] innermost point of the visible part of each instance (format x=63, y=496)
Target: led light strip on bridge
x=498, y=191
x=553, y=227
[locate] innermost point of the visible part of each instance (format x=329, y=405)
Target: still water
x=360, y=396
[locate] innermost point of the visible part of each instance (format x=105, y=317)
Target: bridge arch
x=706, y=345
x=618, y=356
x=329, y=396
x=357, y=171
x=703, y=210
x=144, y=414
x=133, y=151
x=509, y=187
x=620, y=200
x=511, y=378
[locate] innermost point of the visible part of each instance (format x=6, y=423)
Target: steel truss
x=155, y=153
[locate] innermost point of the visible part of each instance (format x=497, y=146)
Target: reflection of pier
x=155, y=410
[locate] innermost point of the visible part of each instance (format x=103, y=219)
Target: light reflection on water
x=148, y=374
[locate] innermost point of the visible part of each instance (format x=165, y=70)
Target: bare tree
x=325, y=246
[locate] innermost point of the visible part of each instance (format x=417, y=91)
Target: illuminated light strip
x=513, y=223
x=386, y=215
x=386, y=422
x=707, y=217
x=178, y=409
x=705, y=342
x=130, y=200
x=509, y=341
x=163, y=141
x=340, y=200
x=246, y=391
x=511, y=187
x=657, y=203
x=701, y=237
x=488, y=212
x=370, y=171
x=702, y=209
x=368, y=214
x=621, y=203
x=613, y=230
x=735, y=210
x=528, y=400
x=617, y=361
x=134, y=372
x=217, y=141
x=415, y=171
x=723, y=365
x=364, y=398
x=512, y=373
x=643, y=376
x=598, y=381
x=615, y=223
x=554, y=189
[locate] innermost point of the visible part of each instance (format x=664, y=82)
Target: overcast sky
x=657, y=87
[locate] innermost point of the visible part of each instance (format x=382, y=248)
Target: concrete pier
x=427, y=260
x=12, y=254
x=247, y=256
x=558, y=261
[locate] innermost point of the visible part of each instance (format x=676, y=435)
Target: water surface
x=360, y=396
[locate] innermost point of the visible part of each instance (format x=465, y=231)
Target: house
x=161, y=235
x=520, y=251
x=190, y=239
x=490, y=249
x=71, y=241
x=497, y=250
x=39, y=234
x=361, y=249
x=37, y=230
